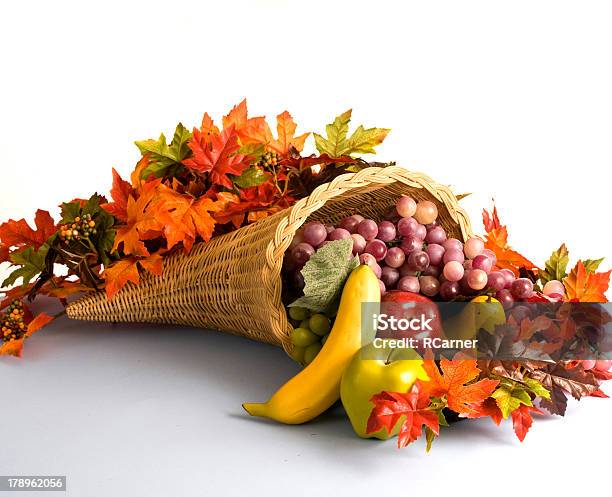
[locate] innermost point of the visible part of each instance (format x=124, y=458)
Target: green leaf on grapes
x=591, y=265
x=325, y=274
x=555, y=268
x=253, y=176
x=30, y=264
x=336, y=144
x=163, y=157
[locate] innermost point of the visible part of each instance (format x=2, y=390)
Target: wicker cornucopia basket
x=233, y=282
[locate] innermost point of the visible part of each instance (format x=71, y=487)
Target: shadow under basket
x=233, y=283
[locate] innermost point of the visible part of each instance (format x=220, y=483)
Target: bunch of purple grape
x=410, y=251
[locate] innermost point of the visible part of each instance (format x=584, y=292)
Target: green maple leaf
x=336, y=144
x=30, y=264
x=537, y=388
x=325, y=274
x=509, y=396
x=163, y=156
x=555, y=268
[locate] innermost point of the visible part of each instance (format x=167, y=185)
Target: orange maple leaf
x=286, y=128
x=142, y=222
x=120, y=192
x=250, y=130
x=127, y=270
x=185, y=218
x=452, y=383
x=586, y=287
x=496, y=240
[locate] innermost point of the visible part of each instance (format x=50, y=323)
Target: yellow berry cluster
x=82, y=227
x=13, y=326
x=269, y=159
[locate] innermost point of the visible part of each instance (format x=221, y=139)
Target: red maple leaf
x=456, y=383
x=217, y=156
x=120, y=192
x=16, y=235
x=522, y=420
x=390, y=407
x=486, y=408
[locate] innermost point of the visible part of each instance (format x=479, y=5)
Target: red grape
x=418, y=260
x=453, y=255
x=315, y=233
x=359, y=243
x=504, y=296
x=407, y=226
x=383, y=289
x=452, y=243
x=436, y=235
x=302, y=252
x=449, y=290
x=368, y=229
x=522, y=288
x=377, y=248
x=435, y=253
x=508, y=276
x=496, y=281
x=386, y=231
x=482, y=262
x=406, y=271
x=426, y=212
x=339, y=234
x=406, y=206
x=477, y=279
x=389, y=276
x=429, y=285
x=553, y=286
x=409, y=284
x=395, y=257
x=350, y=223
x=411, y=243
x=421, y=232
x=473, y=247
x=453, y=271
x=491, y=255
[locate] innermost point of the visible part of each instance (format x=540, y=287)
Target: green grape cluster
x=82, y=227
x=310, y=332
x=13, y=325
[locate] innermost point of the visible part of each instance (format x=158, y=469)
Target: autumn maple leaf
x=250, y=130
x=583, y=286
x=218, y=158
x=120, y=192
x=127, y=270
x=413, y=406
x=286, y=128
x=486, y=408
x=455, y=383
x=17, y=235
x=142, y=222
x=496, y=240
x=184, y=217
x=522, y=420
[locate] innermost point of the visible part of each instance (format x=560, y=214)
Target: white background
x=508, y=100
